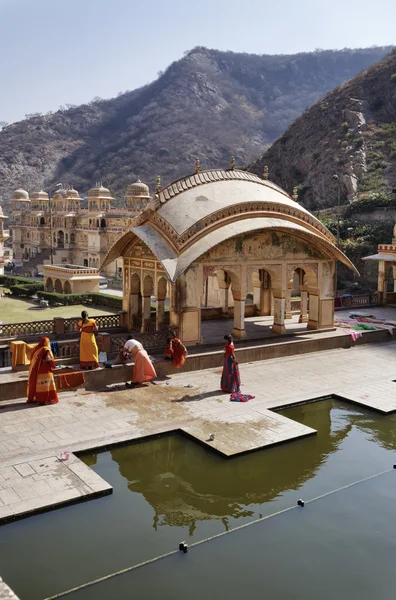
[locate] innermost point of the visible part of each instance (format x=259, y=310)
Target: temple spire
x=266, y=173
x=295, y=194
x=197, y=166
x=158, y=184
x=232, y=163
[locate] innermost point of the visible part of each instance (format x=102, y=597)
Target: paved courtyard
x=33, y=477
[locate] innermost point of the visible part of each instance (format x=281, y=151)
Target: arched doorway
x=85, y=263
x=42, y=221
x=103, y=224
x=73, y=238
x=49, y=285
x=67, y=288
x=61, y=239
x=58, y=286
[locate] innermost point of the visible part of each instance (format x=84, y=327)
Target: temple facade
x=238, y=232
x=70, y=229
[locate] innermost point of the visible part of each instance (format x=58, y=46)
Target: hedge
x=10, y=280
x=26, y=291
x=96, y=299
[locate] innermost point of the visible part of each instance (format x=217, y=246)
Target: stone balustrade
x=58, y=326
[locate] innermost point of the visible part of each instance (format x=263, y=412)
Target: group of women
x=41, y=383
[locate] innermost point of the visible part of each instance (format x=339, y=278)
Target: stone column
x=239, y=317
x=146, y=310
x=288, y=312
x=185, y=306
x=160, y=314
x=381, y=281
x=279, y=312
x=321, y=299
x=303, y=318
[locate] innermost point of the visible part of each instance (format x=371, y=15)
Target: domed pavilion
x=233, y=227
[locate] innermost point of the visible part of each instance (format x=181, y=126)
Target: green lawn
x=15, y=310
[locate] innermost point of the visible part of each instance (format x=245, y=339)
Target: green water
x=172, y=489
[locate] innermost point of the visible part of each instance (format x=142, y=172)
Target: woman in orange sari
x=143, y=369
x=89, y=355
x=177, y=351
x=41, y=383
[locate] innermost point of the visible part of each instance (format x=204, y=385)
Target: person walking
x=89, y=355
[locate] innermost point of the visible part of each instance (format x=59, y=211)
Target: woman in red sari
x=177, y=351
x=230, y=379
x=41, y=383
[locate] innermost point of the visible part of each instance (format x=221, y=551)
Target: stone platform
x=13, y=384
x=32, y=479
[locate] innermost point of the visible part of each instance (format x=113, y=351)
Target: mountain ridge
x=209, y=103
x=349, y=133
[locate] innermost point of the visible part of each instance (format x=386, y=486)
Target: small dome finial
x=266, y=173
x=197, y=165
x=232, y=163
x=295, y=194
x=158, y=184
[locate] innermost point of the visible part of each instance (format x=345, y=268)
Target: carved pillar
x=381, y=281
x=185, y=305
x=239, y=290
x=279, y=312
x=265, y=293
x=160, y=302
x=238, y=330
x=304, y=305
x=224, y=290
x=288, y=313
x=321, y=299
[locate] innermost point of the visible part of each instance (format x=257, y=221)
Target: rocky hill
x=209, y=103
x=351, y=133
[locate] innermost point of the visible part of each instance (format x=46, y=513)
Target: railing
x=358, y=300
x=11, y=330
x=36, y=328
x=150, y=341
x=103, y=322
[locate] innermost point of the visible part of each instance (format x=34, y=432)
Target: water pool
x=171, y=489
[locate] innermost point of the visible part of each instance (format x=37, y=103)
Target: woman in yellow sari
x=89, y=356
x=41, y=383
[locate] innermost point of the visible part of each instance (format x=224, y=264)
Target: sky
x=58, y=52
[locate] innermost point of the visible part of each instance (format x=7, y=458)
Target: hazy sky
x=55, y=52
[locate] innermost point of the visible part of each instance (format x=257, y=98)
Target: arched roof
x=196, y=213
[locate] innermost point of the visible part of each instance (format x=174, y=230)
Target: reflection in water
x=185, y=483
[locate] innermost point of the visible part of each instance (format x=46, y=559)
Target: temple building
x=69, y=229
x=4, y=235
x=386, y=259
x=237, y=231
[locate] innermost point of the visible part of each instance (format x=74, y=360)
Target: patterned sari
x=89, y=355
x=230, y=378
x=41, y=384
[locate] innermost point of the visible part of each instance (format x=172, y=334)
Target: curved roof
x=41, y=195
x=99, y=192
x=198, y=212
x=138, y=189
x=20, y=194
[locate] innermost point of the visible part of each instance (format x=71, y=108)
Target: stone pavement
x=5, y=592
x=31, y=438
